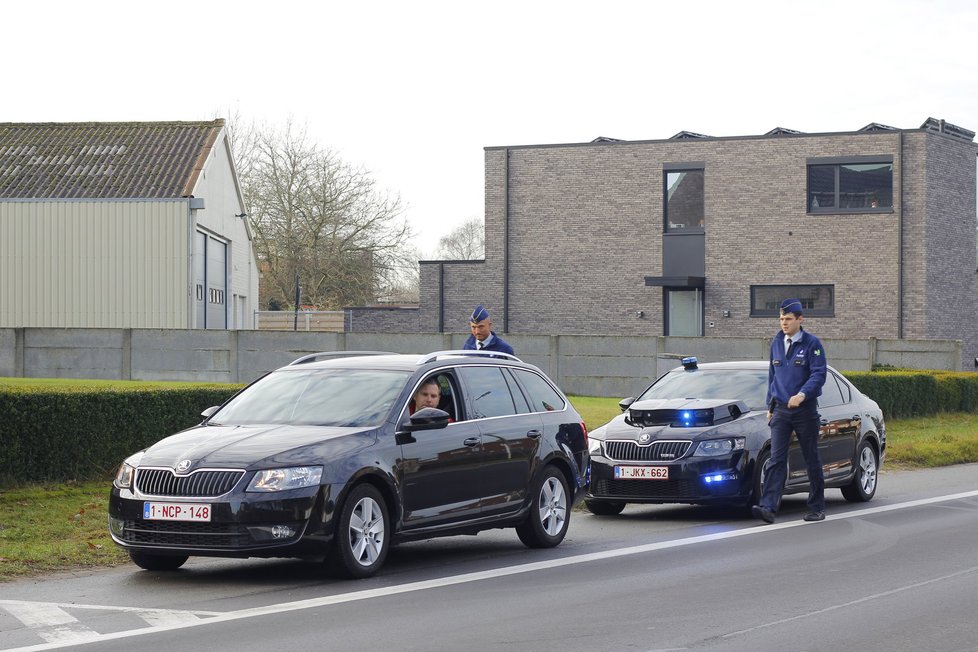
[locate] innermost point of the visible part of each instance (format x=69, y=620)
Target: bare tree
x=467, y=242
x=317, y=219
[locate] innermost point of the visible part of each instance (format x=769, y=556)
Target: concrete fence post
x=126, y=362
x=19, y=352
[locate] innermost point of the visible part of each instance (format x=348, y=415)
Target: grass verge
x=52, y=528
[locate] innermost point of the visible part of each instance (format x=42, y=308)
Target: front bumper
x=694, y=480
x=292, y=523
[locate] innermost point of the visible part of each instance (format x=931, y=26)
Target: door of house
x=684, y=312
x=210, y=281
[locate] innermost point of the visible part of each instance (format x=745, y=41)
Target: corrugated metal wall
x=94, y=264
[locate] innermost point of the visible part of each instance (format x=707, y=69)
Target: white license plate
x=176, y=512
x=641, y=472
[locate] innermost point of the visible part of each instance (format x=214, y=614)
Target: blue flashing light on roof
x=690, y=363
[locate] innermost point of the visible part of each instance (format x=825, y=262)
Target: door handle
x=471, y=441
x=534, y=434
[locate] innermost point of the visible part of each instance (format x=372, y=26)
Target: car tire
x=361, y=540
x=153, y=562
x=863, y=485
x=605, y=507
x=757, y=482
x=546, y=524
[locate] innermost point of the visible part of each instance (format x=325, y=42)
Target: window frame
x=838, y=162
x=801, y=291
x=678, y=168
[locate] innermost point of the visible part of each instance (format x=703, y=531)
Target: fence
x=326, y=321
x=592, y=365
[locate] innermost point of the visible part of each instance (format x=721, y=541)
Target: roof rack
x=328, y=355
x=460, y=353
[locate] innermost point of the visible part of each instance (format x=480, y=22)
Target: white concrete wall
x=616, y=366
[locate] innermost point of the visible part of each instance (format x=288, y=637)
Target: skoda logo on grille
x=184, y=466
x=644, y=438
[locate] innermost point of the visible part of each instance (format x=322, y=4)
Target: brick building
x=875, y=230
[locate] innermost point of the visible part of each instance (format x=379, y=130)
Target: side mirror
x=209, y=412
x=625, y=402
x=427, y=419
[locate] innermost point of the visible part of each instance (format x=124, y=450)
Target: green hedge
x=58, y=433
x=907, y=394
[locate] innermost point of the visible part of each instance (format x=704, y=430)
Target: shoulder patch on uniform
x=817, y=351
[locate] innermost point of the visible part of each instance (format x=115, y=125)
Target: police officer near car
x=482, y=337
x=795, y=378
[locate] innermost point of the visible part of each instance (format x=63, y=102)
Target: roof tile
x=102, y=160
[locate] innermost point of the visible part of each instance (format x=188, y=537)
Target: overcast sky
x=413, y=91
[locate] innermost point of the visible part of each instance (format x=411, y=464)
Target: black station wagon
x=327, y=458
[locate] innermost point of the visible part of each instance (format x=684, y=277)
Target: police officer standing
x=795, y=378
x=482, y=337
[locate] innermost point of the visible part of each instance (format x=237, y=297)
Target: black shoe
x=815, y=516
x=763, y=513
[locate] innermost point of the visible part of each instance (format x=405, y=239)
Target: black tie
x=481, y=345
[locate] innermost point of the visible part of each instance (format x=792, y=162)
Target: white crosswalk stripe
x=62, y=623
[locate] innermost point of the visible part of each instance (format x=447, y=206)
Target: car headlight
x=123, y=479
x=127, y=472
x=595, y=440
x=714, y=447
x=295, y=477
x=594, y=446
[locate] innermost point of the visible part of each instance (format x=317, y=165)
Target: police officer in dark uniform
x=482, y=337
x=795, y=378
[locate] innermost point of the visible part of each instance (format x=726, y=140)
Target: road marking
x=50, y=622
x=485, y=575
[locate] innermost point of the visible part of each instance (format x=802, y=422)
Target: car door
x=840, y=426
x=510, y=436
x=838, y=429
x=440, y=469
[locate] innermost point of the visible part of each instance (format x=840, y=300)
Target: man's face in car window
x=427, y=395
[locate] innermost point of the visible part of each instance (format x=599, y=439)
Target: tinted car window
x=747, y=385
x=543, y=397
x=831, y=395
x=334, y=397
x=521, y=405
x=489, y=392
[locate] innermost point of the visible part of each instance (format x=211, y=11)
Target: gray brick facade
x=572, y=231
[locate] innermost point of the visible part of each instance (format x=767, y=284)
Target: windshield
x=747, y=385
x=330, y=397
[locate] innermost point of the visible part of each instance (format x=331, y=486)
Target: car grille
x=189, y=535
x=659, y=451
x=200, y=484
x=648, y=489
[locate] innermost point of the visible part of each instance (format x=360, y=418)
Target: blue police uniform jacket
x=495, y=344
x=800, y=369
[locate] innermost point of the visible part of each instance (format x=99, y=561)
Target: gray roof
x=103, y=160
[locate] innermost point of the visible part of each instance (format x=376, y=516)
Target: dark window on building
x=850, y=185
x=816, y=300
x=683, y=200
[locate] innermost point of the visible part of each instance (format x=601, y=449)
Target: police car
x=700, y=435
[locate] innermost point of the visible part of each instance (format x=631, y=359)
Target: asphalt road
x=897, y=573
